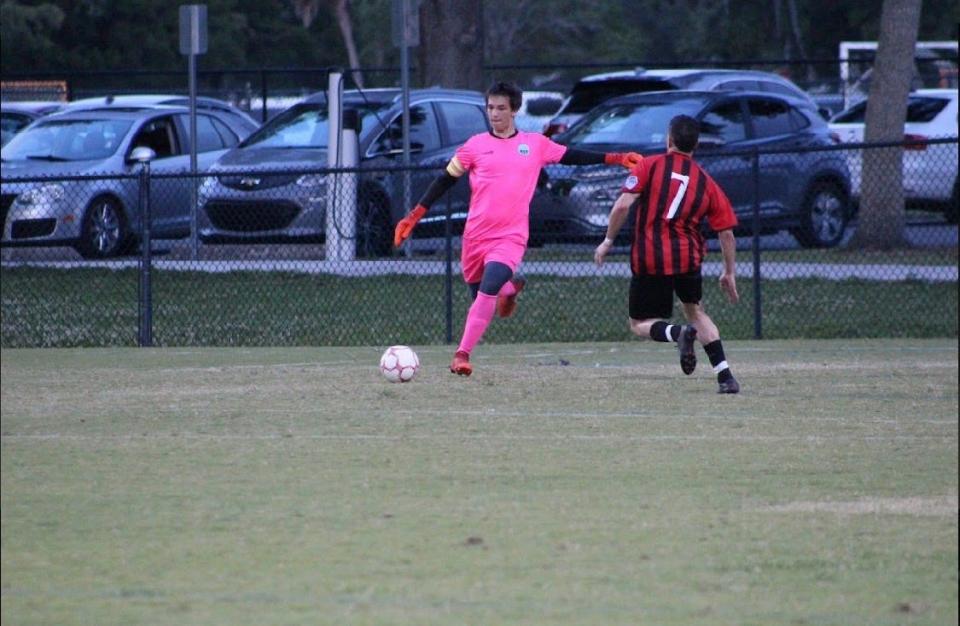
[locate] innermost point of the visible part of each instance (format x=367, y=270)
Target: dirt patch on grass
x=922, y=506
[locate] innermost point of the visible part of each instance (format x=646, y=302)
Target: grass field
x=561, y=484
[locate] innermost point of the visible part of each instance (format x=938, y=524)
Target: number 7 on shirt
x=677, y=199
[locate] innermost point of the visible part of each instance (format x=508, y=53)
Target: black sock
x=659, y=331
x=714, y=351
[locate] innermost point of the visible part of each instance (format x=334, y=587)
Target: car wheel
x=374, y=225
x=823, y=218
x=950, y=213
x=103, y=232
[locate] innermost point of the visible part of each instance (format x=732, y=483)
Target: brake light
x=914, y=142
x=554, y=128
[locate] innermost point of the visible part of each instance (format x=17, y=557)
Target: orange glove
x=405, y=226
x=628, y=160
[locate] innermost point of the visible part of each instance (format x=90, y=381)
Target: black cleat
x=688, y=355
x=730, y=385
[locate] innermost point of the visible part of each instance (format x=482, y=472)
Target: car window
x=630, y=123
x=854, y=115
x=424, y=134
x=227, y=136
x=724, y=121
x=798, y=121
x=921, y=110
x=463, y=121
x=740, y=85
x=68, y=140
x=159, y=136
x=588, y=94
x=770, y=118
x=208, y=139
x=777, y=88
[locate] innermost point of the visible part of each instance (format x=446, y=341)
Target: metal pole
x=757, y=308
x=194, y=235
x=405, y=86
x=263, y=95
x=146, y=292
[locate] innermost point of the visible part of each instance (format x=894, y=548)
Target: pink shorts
x=477, y=253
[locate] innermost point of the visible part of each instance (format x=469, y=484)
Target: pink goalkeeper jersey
x=503, y=176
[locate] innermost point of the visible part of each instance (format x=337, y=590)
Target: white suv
x=929, y=169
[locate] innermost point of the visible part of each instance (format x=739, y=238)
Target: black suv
x=800, y=188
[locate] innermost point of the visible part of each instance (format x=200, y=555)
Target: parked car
x=592, y=90
x=929, y=169
x=268, y=188
x=98, y=213
x=537, y=109
x=243, y=123
x=15, y=116
x=800, y=188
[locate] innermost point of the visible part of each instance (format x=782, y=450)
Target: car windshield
x=631, y=123
x=67, y=140
x=919, y=110
x=305, y=126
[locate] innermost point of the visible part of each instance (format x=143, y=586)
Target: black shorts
x=651, y=297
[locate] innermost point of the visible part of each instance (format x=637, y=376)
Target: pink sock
x=508, y=289
x=478, y=318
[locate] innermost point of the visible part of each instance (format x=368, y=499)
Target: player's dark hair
x=685, y=132
x=510, y=90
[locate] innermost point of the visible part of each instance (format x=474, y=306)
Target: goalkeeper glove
x=405, y=226
x=628, y=160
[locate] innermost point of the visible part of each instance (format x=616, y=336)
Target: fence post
x=145, y=300
x=757, y=308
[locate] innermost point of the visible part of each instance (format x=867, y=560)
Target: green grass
x=98, y=307
x=296, y=486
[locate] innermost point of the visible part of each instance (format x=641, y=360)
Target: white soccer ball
x=399, y=364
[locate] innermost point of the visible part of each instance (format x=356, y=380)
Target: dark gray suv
x=264, y=190
x=800, y=188
x=593, y=90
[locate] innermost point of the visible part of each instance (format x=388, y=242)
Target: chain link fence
x=306, y=257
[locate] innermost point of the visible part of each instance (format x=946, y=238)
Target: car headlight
x=44, y=194
x=312, y=180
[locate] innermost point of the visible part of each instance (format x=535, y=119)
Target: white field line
x=818, y=439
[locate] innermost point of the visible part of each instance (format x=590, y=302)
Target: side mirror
x=141, y=154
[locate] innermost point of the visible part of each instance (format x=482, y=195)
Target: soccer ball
x=399, y=364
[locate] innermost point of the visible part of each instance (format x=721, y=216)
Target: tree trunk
x=450, y=51
x=882, y=219
x=342, y=13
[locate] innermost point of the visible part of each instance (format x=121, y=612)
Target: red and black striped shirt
x=675, y=195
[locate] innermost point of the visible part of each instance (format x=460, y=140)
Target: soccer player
x=503, y=165
x=673, y=195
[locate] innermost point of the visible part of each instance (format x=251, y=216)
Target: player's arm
x=628, y=160
x=723, y=220
x=728, y=278
x=618, y=215
x=440, y=185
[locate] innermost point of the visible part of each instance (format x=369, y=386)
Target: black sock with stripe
x=662, y=331
x=714, y=351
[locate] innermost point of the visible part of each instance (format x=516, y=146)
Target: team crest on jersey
x=523, y=149
x=631, y=182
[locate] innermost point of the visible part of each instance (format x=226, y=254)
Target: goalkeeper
x=504, y=165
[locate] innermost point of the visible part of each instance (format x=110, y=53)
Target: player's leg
x=510, y=253
x=707, y=333
x=651, y=302
x=495, y=274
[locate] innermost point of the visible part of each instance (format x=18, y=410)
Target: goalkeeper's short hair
x=510, y=90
